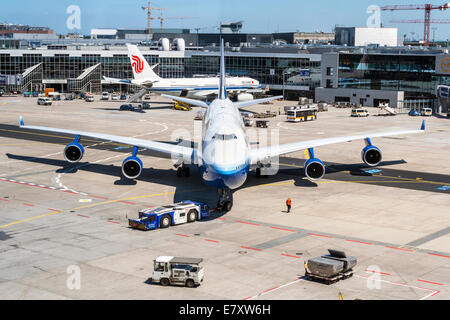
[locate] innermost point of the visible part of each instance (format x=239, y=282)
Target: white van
x=44, y=101
x=427, y=112
x=359, y=112
x=105, y=96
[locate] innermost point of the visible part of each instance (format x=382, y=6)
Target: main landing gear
x=183, y=170
x=225, y=202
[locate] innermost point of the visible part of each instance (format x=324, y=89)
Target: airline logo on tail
x=137, y=64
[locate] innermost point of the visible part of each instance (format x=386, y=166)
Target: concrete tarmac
x=57, y=217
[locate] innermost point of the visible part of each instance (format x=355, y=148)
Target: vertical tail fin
x=140, y=66
x=222, y=89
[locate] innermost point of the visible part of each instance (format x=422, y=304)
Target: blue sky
x=258, y=15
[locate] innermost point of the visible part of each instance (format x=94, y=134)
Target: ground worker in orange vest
x=288, y=204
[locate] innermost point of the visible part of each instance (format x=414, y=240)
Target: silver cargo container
x=331, y=265
x=324, y=267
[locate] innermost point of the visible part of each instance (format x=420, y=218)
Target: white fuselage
x=224, y=152
x=198, y=87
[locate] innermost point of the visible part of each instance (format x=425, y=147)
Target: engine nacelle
x=132, y=167
x=244, y=97
x=371, y=155
x=73, y=152
x=314, y=169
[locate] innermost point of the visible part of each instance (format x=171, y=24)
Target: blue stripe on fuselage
x=201, y=88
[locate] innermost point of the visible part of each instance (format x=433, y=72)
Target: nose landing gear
x=183, y=170
x=225, y=202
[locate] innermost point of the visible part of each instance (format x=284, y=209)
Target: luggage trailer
x=330, y=268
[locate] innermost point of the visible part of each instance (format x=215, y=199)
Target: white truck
x=177, y=271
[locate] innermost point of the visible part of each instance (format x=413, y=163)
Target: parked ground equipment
x=173, y=214
x=267, y=114
x=178, y=271
x=262, y=123
x=330, y=268
x=248, y=122
x=182, y=106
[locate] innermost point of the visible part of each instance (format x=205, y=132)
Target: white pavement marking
x=434, y=292
x=275, y=288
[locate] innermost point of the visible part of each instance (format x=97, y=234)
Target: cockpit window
x=224, y=136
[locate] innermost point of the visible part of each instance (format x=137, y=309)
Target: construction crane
x=427, y=7
x=149, y=16
x=161, y=19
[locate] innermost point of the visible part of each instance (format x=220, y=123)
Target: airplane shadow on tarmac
x=193, y=188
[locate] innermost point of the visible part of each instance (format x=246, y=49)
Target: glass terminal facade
x=69, y=64
x=414, y=74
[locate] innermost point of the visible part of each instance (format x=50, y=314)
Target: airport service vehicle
x=322, y=106
x=331, y=267
x=105, y=96
x=172, y=214
x=262, y=123
x=56, y=96
x=359, y=112
x=224, y=157
x=89, y=98
x=115, y=97
x=178, y=271
x=44, y=101
x=196, y=88
x=248, y=122
x=414, y=113
x=2, y=92
x=123, y=96
x=302, y=114
x=126, y=107
x=427, y=112
x=181, y=106
x=134, y=106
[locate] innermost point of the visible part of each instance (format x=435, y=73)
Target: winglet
x=21, y=121
x=423, y=126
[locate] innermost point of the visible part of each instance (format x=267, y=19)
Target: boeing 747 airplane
x=224, y=155
x=195, y=88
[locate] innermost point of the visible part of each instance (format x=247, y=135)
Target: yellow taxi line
x=383, y=176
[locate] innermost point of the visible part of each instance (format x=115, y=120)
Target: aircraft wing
x=193, y=102
x=253, y=102
x=273, y=151
x=116, y=81
x=176, y=151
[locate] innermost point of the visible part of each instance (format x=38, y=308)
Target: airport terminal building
x=373, y=77
x=360, y=75
x=67, y=68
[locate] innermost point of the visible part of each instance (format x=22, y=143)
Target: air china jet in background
x=195, y=88
x=223, y=155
